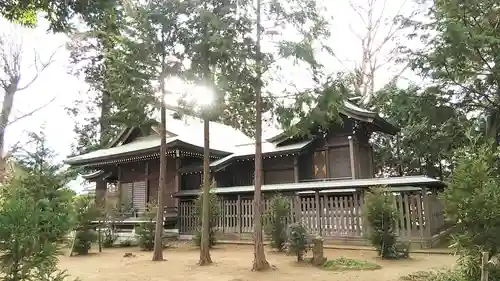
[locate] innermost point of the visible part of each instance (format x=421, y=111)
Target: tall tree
x=432, y=128
x=12, y=70
x=380, y=30
x=303, y=16
x=259, y=260
x=460, y=54
x=156, y=30
x=59, y=13
x=205, y=258
x=117, y=75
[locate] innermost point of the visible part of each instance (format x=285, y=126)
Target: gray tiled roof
x=327, y=185
x=190, y=130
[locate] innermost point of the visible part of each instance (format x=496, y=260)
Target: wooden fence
x=419, y=215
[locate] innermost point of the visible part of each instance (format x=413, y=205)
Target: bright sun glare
x=201, y=95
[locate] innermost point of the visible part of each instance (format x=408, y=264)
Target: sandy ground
x=233, y=263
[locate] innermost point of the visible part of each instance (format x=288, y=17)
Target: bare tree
x=11, y=72
x=380, y=28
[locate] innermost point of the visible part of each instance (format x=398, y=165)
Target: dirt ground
x=233, y=263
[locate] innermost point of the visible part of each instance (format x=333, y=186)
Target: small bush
x=298, y=241
x=126, y=243
x=110, y=237
x=86, y=211
x=381, y=216
x=214, y=215
x=275, y=223
x=145, y=231
x=443, y=275
x=83, y=241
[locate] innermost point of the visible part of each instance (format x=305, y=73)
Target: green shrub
x=214, y=215
x=275, y=222
x=442, y=275
x=108, y=227
x=35, y=215
x=86, y=211
x=145, y=231
x=472, y=201
x=109, y=237
x=380, y=214
x=298, y=241
x=83, y=241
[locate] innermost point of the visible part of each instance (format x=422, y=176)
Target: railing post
x=318, y=212
x=238, y=214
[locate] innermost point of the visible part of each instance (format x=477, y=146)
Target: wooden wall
x=148, y=171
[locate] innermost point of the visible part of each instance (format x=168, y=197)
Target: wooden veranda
x=332, y=209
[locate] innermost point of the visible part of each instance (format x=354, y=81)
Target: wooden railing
x=336, y=215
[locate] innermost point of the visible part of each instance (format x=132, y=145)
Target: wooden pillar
x=370, y=162
x=427, y=212
x=146, y=180
x=296, y=168
x=177, y=179
x=238, y=214
x=365, y=227
x=351, y=157
x=318, y=212
x=119, y=186
x=223, y=213
x=357, y=161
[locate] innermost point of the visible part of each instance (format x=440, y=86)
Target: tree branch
x=33, y=111
x=39, y=71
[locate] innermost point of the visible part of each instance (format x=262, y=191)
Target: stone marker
x=317, y=249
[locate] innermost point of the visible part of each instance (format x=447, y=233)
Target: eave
x=353, y=111
x=395, y=184
x=175, y=149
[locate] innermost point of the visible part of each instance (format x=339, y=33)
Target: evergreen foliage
x=472, y=202
x=145, y=231
x=299, y=241
x=276, y=221
x=35, y=215
x=380, y=213
x=214, y=216
x=86, y=212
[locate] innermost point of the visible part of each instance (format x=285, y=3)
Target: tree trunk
x=492, y=127
x=259, y=263
x=205, y=258
x=8, y=101
x=158, y=242
x=103, y=120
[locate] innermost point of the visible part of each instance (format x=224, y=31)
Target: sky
x=57, y=82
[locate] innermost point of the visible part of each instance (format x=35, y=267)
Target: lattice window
x=133, y=196
x=319, y=166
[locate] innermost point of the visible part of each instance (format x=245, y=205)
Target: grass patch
x=347, y=264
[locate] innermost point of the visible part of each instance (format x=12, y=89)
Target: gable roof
x=226, y=141
x=353, y=111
